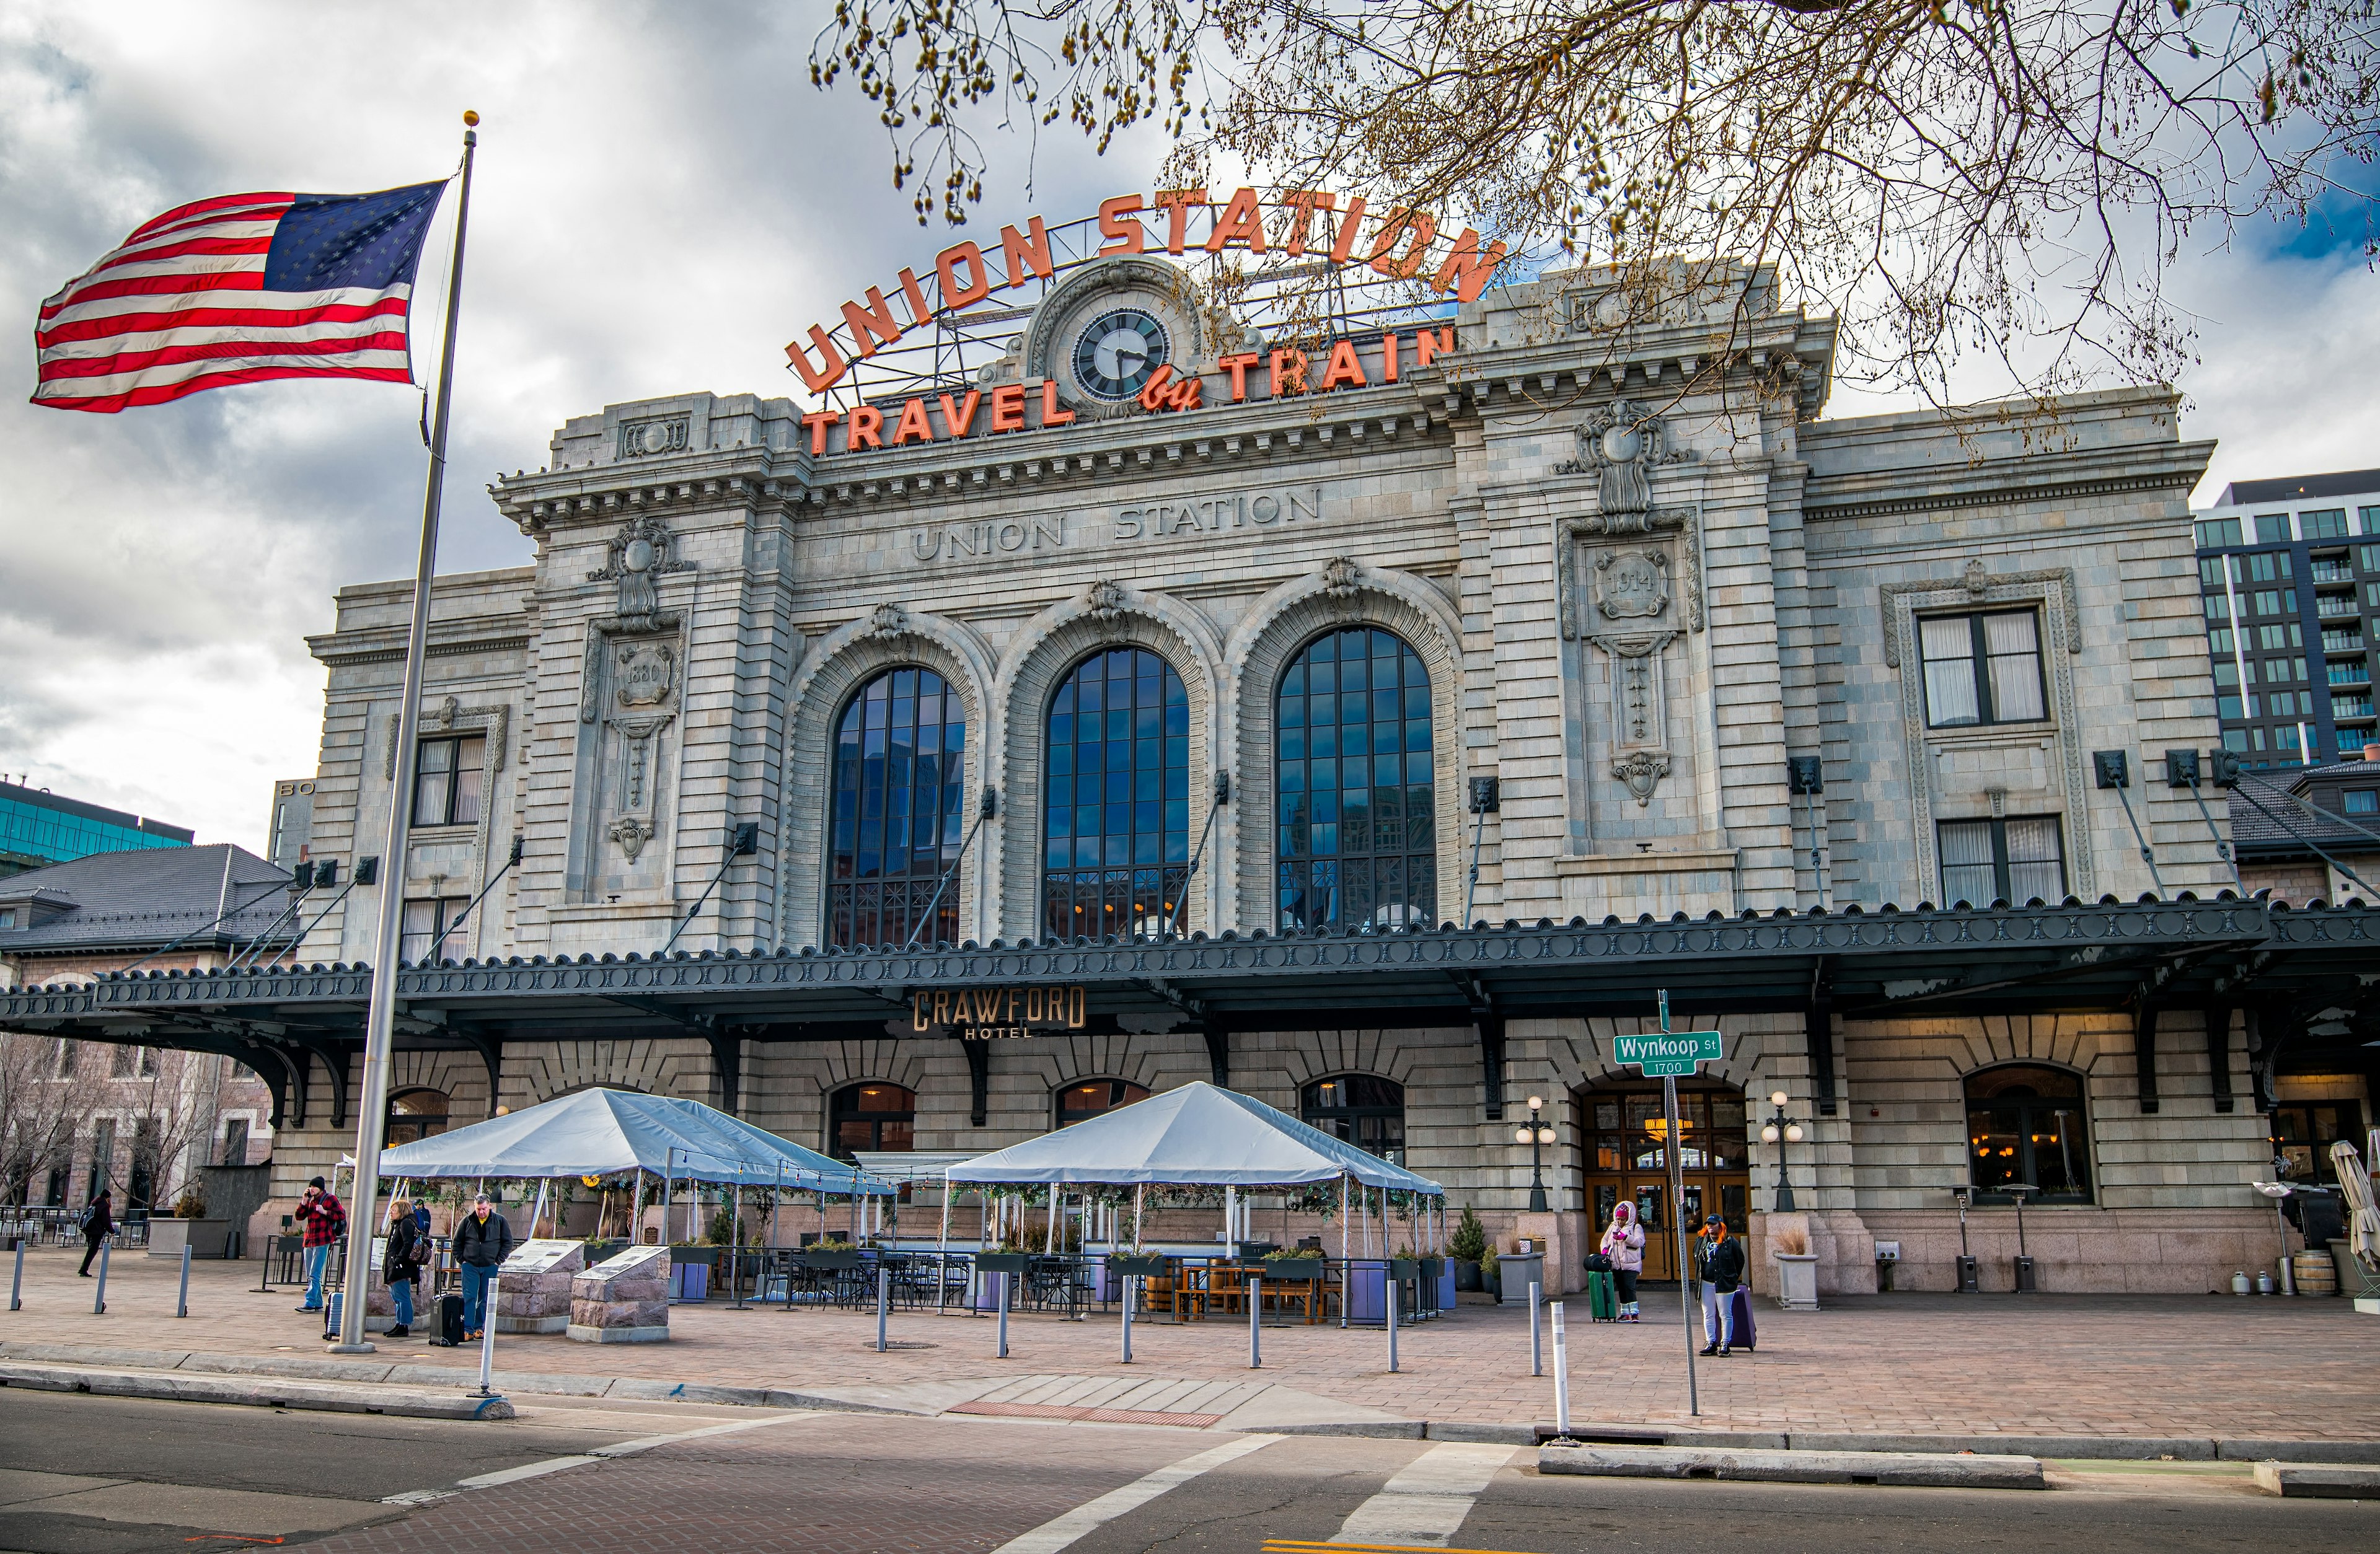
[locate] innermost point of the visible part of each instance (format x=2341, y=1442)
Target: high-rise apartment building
x=38, y=828
x=2289, y=577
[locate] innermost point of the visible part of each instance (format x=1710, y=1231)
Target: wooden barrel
x=2316, y=1274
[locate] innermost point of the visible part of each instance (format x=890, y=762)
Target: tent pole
x=1049, y=1237
x=636, y=1211
x=942, y=1242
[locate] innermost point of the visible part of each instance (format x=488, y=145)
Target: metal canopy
x=1861, y=964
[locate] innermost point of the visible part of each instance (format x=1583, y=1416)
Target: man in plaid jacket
x=326, y=1222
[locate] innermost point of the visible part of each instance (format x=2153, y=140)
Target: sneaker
x=400, y=1331
x=1726, y=1354
x=1709, y=1349
x=313, y=1308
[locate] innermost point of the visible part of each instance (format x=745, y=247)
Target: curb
x=2180, y=1449
x=2298, y=1481
x=325, y=1397
x=1885, y=1469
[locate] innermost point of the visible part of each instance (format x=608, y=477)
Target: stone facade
x=1642, y=576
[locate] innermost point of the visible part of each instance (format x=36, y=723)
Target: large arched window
x=1086, y=1099
x=2028, y=1124
x=1364, y=1108
x=412, y=1115
x=1116, y=816
x=871, y=1115
x=1357, y=821
x=897, y=816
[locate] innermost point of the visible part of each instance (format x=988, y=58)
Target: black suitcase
x=446, y=1321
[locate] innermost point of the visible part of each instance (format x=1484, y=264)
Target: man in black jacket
x=1719, y=1263
x=98, y=1224
x=482, y=1241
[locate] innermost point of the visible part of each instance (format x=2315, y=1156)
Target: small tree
x=49, y=1089
x=1469, y=1241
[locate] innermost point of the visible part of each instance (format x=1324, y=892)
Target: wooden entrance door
x=1627, y=1155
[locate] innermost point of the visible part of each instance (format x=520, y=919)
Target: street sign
x=1668, y=1054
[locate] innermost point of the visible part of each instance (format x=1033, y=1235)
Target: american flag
x=238, y=289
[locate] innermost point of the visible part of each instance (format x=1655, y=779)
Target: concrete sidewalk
x=2192, y=1377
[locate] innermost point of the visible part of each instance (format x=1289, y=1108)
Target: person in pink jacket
x=1624, y=1245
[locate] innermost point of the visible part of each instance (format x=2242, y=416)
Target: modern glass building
x=2290, y=578
x=37, y=829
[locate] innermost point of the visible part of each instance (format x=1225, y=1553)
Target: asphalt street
x=81, y=1474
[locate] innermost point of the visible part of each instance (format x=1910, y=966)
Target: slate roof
x=147, y=897
x=2257, y=836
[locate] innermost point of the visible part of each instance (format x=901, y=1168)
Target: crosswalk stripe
x=1423, y=1505
x=1059, y=1532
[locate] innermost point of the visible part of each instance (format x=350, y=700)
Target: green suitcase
x=1602, y=1298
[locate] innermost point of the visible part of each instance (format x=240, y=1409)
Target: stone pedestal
x=1563, y=1236
x=533, y=1287
x=624, y=1299
x=1797, y=1280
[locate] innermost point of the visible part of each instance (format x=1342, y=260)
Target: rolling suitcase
x=1747, y=1336
x=446, y=1321
x=1602, y=1298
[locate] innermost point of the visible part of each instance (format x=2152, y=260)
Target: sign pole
x=1678, y=1214
x=380, y=1019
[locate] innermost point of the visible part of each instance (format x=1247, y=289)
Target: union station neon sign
x=1405, y=245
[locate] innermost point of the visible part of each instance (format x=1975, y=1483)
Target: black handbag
x=1597, y=1263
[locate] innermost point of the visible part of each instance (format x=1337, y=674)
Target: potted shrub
x=1490, y=1277
x=824, y=1255
x=1797, y=1268
x=1304, y=1267
x=1468, y=1246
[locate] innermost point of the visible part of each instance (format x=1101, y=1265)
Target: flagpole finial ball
x=471, y=118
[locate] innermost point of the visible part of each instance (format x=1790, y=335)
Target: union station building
x=1376, y=721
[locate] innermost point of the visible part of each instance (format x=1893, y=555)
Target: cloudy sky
x=662, y=200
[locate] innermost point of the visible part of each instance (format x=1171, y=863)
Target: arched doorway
x=1621, y=1129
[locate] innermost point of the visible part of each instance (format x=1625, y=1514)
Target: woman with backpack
x=400, y=1264
x=1623, y=1246
x=98, y=1224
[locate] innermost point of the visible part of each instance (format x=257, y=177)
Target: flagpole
x=381, y=1019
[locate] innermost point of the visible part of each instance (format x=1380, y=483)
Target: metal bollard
x=182, y=1300
x=487, y=1337
x=1131, y=1293
x=16, y=1285
x=1004, y=1319
x=98, y=1296
x=1256, y=1321
x=1391, y=1285
x=1537, y=1345
x=1562, y=1375
x=883, y=1293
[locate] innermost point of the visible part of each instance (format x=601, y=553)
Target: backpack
x=90, y=1217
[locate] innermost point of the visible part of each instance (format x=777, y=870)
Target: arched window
x=872, y=1115
x=412, y=1115
x=1364, y=1108
x=1116, y=816
x=2028, y=1124
x=897, y=815
x=1357, y=820
x=1086, y=1098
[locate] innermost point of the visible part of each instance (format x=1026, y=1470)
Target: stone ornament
x=1641, y=770
x=643, y=672
x=1639, y=710
x=1632, y=585
x=648, y=439
x=636, y=558
x=1620, y=444
x=1341, y=577
x=631, y=833
x=887, y=620
x=1107, y=602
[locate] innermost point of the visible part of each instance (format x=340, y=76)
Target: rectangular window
x=2273, y=528
x=2017, y=860
x=2218, y=609
x=447, y=782
x=2276, y=602
x=2219, y=643
x=2284, y=704
x=2227, y=674
x=2235, y=739
x=2273, y=638
x=119, y=1062
x=2216, y=532
x=103, y=1157
x=2328, y=523
x=2353, y=739
x=235, y=1142
x=433, y=929
x=2268, y=567
x=2362, y=801
x=2285, y=669
x=2228, y=710
x=2211, y=572
x=1982, y=669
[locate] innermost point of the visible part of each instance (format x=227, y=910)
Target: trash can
x=1516, y=1271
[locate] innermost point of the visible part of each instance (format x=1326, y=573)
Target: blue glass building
x=37, y=829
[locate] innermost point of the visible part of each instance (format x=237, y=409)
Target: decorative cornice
x=2005, y=493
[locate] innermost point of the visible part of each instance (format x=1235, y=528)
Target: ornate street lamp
x=1780, y=1131
x=1536, y=1136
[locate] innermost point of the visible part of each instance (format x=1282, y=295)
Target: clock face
x=1117, y=353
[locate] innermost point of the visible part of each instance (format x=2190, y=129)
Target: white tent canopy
x=600, y=1133
x=1198, y=1135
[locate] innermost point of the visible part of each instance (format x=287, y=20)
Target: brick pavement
x=2053, y=1365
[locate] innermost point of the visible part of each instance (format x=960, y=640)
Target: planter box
x=1797, y=1280
x=205, y=1238
x=1404, y=1268
x=706, y=1256
x=827, y=1260
x=1296, y=1270
x=1124, y=1266
x=1001, y=1262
